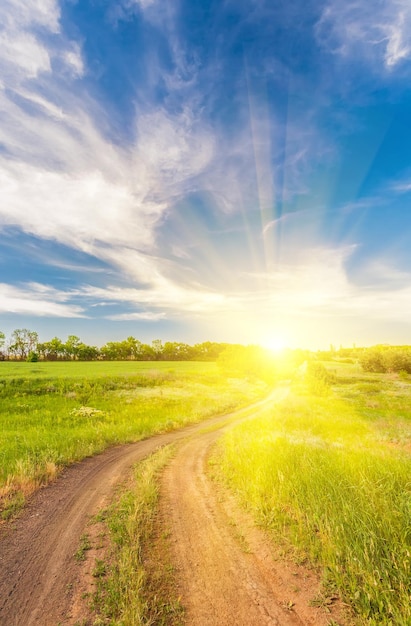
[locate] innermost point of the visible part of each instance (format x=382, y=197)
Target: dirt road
x=228, y=571
x=220, y=583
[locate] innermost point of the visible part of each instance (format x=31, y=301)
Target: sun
x=275, y=343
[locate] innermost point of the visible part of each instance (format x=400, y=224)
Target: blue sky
x=206, y=170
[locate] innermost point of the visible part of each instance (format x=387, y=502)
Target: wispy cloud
x=283, y=219
x=145, y=316
x=315, y=283
x=38, y=300
x=312, y=291
x=28, y=42
x=61, y=177
x=402, y=186
x=372, y=32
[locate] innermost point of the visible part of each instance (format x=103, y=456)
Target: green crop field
x=52, y=414
x=328, y=472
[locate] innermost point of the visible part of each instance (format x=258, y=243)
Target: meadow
x=327, y=472
x=53, y=414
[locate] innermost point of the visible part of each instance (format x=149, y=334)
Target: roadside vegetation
x=124, y=590
x=53, y=414
x=327, y=472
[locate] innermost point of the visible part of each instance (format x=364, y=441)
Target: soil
x=226, y=570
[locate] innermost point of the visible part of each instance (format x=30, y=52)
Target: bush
x=372, y=361
x=318, y=379
x=385, y=359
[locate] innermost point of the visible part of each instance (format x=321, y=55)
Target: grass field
x=328, y=472
x=52, y=414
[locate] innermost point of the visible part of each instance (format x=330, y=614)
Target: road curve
x=220, y=582
x=37, y=568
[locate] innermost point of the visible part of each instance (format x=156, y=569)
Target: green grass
x=329, y=476
x=124, y=596
x=53, y=414
x=96, y=369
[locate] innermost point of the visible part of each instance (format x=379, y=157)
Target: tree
x=52, y=350
x=208, y=351
x=23, y=342
x=175, y=351
x=71, y=346
x=157, y=346
x=86, y=353
x=2, y=340
x=135, y=348
x=110, y=351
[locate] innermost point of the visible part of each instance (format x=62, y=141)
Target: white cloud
x=402, y=187
x=20, y=14
x=163, y=296
x=22, y=55
x=399, y=39
x=115, y=198
x=66, y=181
x=143, y=3
x=172, y=150
x=129, y=317
x=310, y=298
x=75, y=210
x=38, y=300
x=25, y=53
x=373, y=32
x=73, y=60
x=315, y=284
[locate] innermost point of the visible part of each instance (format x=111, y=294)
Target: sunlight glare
x=275, y=343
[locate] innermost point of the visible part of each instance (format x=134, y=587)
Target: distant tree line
x=24, y=345
x=386, y=359
x=382, y=358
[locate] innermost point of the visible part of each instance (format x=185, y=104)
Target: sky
x=193, y=170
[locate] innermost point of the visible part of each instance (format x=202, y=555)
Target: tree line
x=381, y=358
x=24, y=345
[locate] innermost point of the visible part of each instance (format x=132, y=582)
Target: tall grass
x=53, y=414
x=323, y=474
x=123, y=596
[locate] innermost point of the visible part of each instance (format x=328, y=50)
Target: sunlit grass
x=95, y=369
x=326, y=475
x=53, y=414
x=123, y=594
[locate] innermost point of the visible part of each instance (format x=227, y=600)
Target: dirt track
x=220, y=583
x=228, y=572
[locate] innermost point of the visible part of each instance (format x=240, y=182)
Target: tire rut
x=38, y=572
x=220, y=583
x=227, y=571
